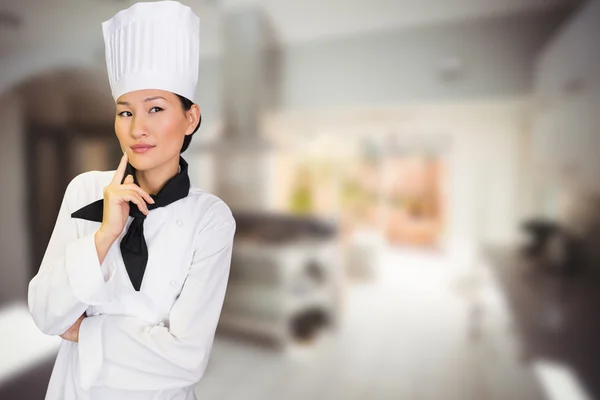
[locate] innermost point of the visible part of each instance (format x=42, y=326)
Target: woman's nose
x=139, y=127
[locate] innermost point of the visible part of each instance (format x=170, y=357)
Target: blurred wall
x=401, y=65
x=14, y=262
x=566, y=141
x=209, y=93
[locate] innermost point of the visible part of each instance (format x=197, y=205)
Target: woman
x=135, y=272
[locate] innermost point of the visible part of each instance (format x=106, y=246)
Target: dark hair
x=187, y=104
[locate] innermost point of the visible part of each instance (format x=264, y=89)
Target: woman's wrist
x=103, y=241
x=104, y=236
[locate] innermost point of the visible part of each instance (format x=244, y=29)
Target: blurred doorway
x=69, y=129
x=60, y=154
x=413, y=199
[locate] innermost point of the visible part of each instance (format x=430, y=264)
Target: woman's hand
x=72, y=334
x=116, y=201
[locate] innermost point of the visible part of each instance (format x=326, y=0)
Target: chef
x=134, y=275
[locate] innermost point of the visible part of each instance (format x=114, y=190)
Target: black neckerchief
x=133, y=244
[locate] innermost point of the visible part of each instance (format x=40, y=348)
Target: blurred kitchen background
x=416, y=186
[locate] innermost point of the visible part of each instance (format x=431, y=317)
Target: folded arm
x=125, y=353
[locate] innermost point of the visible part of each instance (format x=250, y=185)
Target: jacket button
x=162, y=324
x=173, y=282
x=179, y=223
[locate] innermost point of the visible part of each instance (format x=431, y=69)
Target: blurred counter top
x=556, y=315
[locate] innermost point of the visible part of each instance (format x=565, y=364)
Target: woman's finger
x=120, y=172
x=140, y=191
x=130, y=195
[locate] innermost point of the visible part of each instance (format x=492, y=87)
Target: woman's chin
x=141, y=162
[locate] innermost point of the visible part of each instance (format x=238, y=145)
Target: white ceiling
x=77, y=22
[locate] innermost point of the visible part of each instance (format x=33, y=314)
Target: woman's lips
x=141, y=149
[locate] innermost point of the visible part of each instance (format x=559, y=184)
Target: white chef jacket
x=151, y=344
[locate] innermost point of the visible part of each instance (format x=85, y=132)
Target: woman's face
x=151, y=125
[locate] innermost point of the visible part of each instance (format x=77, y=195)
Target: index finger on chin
x=120, y=172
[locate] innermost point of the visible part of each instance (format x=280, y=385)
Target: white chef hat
x=153, y=45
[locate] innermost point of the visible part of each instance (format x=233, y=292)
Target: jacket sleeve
x=70, y=277
x=124, y=352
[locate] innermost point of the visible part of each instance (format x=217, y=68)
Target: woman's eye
x=122, y=114
x=156, y=108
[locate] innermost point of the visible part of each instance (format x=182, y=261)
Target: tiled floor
x=424, y=329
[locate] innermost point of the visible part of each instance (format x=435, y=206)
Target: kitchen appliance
x=285, y=282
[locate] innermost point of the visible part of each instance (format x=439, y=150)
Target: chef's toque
x=153, y=45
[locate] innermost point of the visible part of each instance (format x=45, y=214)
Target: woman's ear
x=193, y=117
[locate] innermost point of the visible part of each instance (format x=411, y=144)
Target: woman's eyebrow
x=126, y=103
x=154, y=98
